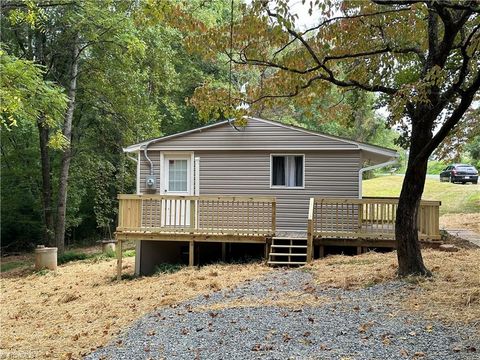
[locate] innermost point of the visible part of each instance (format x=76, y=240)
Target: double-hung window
x=287, y=171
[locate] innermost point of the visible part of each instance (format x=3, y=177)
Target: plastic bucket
x=45, y=258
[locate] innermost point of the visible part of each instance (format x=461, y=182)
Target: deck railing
x=204, y=214
x=367, y=218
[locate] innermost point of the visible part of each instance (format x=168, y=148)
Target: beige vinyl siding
x=327, y=173
x=145, y=169
x=257, y=135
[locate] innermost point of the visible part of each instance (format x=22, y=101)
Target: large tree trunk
x=48, y=223
x=410, y=261
x=66, y=156
x=43, y=132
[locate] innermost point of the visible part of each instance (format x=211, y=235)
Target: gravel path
x=466, y=234
x=358, y=324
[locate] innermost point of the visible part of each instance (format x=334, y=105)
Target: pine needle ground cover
x=81, y=307
x=452, y=294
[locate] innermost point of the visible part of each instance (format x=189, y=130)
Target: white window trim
x=284, y=186
x=191, y=154
x=196, y=175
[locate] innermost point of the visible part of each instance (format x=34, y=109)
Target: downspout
x=150, y=163
x=362, y=170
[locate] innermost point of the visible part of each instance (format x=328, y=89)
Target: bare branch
x=449, y=124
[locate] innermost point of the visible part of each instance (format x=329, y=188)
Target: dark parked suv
x=460, y=173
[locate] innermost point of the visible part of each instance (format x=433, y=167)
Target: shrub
x=168, y=268
x=69, y=256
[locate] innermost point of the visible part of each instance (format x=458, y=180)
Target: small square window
x=287, y=170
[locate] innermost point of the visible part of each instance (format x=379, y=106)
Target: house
x=263, y=160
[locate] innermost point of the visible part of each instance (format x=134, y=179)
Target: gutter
x=362, y=170
x=130, y=157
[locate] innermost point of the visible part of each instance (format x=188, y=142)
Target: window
x=177, y=175
x=287, y=170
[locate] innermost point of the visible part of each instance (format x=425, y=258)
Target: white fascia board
x=283, y=149
x=362, y=170
x=377, y=150
x=132, y=148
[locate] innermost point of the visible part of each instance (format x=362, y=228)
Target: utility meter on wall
x=150, y=182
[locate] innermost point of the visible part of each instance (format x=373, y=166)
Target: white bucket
x=45, y=258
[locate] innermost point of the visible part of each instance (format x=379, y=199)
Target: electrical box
x=150, y=182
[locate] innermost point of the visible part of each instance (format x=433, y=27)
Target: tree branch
x=385, y=50
x=449, y=124
x=328, y=21
x=470, y=5
x=456, y=87
x=322, y=65
x=45, y=4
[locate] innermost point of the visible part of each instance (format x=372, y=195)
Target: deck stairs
x=288, y=251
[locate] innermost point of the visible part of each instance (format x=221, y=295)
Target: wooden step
x=287, y=262
x=287, y=254
x=286, y=243
x=289, y=246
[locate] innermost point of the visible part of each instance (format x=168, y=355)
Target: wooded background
x=82, y=79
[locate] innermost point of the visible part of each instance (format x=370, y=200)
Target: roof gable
x=259, y=134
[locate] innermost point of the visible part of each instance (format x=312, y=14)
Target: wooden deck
x=224, y=219
x=368, y=222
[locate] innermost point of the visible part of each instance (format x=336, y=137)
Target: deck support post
x=224, y=251
x=119, y=259
x=191, y=254
x=359, y=250
x=267, y=249
x=321, y=251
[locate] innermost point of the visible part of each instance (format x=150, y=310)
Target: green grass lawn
x=455, y=198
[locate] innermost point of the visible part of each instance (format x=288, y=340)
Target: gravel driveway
x=254, y=321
